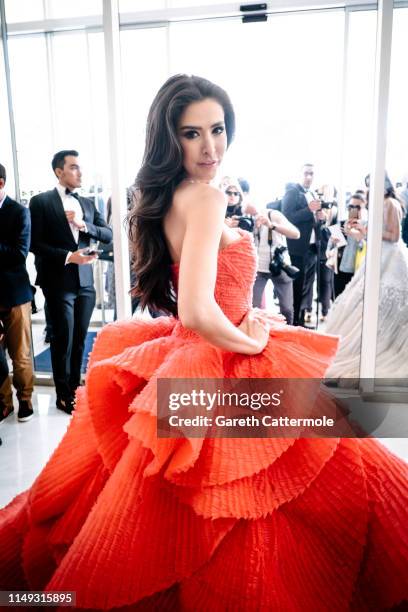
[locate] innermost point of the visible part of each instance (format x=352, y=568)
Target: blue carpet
x=42, y=361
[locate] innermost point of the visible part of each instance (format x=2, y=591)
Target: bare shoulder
x=393, y=205
x=192, y=196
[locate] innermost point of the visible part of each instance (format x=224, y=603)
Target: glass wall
x=73, y=8
x=18, y=11
x=287, y=112
x=32, y=112
x=141, y=80
x=291, y=107
x=6, y=157
x=24, y=10
x=131, y=6
x=60, y=102
x=358, y=125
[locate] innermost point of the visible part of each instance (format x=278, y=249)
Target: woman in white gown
x=345, y=317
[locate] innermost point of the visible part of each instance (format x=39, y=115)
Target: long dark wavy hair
x=389, y=189
x=162, y=170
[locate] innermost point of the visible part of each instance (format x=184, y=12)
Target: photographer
x=302, y=208
x=271, y=230
x=324, y=282
x=237, y=214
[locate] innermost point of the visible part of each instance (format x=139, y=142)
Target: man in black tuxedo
x=15, y=303
x=63, y=225
x=303, y=209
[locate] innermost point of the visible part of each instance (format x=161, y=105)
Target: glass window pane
x=24, y=10
x=74, y=8
x=132, y=6
x=99, y=115
x=32, y=112
x=359, y=97
x=191, y=3
x=29, y=78
x=287, y=104
x=73, y=112
x=141, y=81
x=397, y=158
x=6, y=157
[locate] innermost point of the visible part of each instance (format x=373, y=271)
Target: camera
x=245, y=222
x=278, y=264
x=91, y=251
x=323, y=203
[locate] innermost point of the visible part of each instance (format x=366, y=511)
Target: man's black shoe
x=25, y=412
x=66, y=405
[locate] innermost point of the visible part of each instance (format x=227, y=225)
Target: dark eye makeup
x=190, y=134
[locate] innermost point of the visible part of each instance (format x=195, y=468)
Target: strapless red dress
x=133, y=522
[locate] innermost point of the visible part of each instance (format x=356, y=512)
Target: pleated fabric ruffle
x=133, y=522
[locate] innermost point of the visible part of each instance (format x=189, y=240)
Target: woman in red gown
x=135, y=522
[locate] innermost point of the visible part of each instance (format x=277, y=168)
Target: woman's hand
x=231, y=221
x=357, y=225
x=257, y=323
x=356, y=229
x=262, y=220
x=257, y=328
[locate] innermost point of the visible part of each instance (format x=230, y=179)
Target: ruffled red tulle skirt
x=129, y=521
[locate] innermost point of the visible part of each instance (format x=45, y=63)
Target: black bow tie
x=72, y=193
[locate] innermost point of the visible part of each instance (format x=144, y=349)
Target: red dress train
x=133, y=522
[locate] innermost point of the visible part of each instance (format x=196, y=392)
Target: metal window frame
x=117, y=156
x=152, y=18
x=375, y=210
x=12, y=127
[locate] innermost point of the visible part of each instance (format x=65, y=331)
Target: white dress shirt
x=71, y=203
x=310, y=196
x=3, y=196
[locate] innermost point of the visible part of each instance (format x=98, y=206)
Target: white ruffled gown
x=345, y=318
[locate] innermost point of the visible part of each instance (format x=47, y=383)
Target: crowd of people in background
x=305, y=247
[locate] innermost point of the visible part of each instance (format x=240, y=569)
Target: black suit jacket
x=52, y=239
x=15, y=224
x=295, y=208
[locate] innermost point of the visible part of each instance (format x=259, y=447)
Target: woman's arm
x=202, y=208
x=282, y=224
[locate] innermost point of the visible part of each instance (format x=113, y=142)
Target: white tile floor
x=27, y=446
